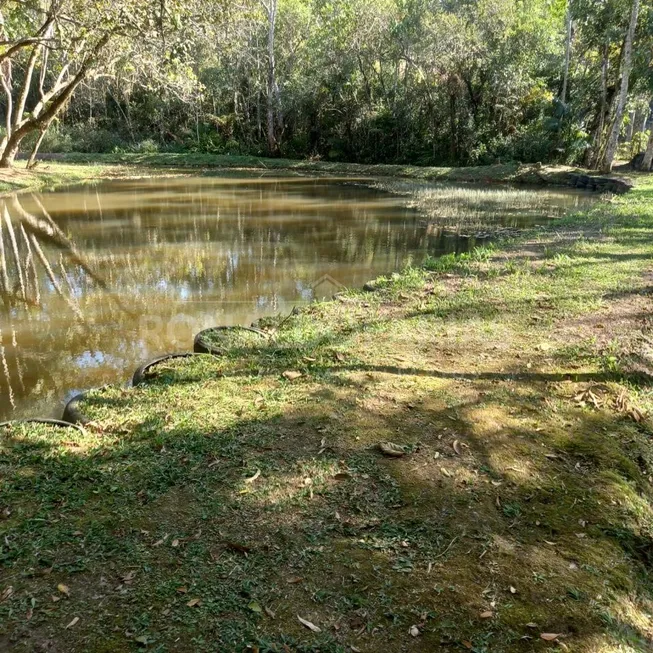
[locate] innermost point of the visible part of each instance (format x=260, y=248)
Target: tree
x=50, y=47
x=613, y=139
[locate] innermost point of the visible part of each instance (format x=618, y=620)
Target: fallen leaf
x=532, y=624
x=293, y=580
x=488, y=614
x=269, y=612
x=291, y=375
x=549, y=637
x=392, y=449
x=513, y=590
x=467, y=644
x=235, y=546
x=64, y=589
x=175, y=543
x=142, y=639
x=309, y=625
x=456, y=447
x=251, y=479
x=194, y=602
x=445, y=471
x=162, y=540
x=413, y=631
x=73, y=622
x=254, y=606
x=6, y=593
x=182, y=590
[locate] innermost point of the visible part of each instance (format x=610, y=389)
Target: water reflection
x=96, y=279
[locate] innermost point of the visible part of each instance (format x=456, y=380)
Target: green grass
x=74, y=166
x=515, y=377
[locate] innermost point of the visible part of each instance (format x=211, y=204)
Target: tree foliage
x=420, y=81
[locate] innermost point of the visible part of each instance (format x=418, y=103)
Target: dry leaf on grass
x=588, y=397
x=392, y=449
x=309, y=625
x=488, y=614
x=235, y=546
x=413, y=631
x=162, y=540
x=251, y=479
x=6, y=593
x=624, y=405
x=269, y=612
x=293, y=580
x=73, y=622
x=194, y=602
x=291, y=375
x=456, y=447
x=64, y=589
x=550, y=637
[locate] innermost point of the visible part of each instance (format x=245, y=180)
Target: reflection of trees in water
x=36, y=257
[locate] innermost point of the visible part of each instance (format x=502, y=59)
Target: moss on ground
x=211, y=507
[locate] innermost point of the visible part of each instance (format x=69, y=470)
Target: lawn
x=458, y=460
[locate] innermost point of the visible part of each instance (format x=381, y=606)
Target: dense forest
x=431, y=82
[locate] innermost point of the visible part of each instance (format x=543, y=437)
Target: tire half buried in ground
x=56, y=423
x=219, y=340
x=72, y=412
x=144, y=372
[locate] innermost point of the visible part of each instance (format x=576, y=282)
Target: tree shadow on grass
x=193, y=508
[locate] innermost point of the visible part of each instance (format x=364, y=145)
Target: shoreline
x=56, y=170
x=468, y=449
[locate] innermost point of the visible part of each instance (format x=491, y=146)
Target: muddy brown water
x=164, y=258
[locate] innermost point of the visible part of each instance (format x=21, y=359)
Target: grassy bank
x=60, y=169
x=228, y=497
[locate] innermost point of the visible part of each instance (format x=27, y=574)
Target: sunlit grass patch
x=211, y=506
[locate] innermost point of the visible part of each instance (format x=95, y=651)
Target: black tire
x=201, y=346
x=141, y=374
x=43, y=420
x=72, y=413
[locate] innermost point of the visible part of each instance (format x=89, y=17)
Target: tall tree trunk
x=613, y=139
x=647, y=161
x=593, y=158
x=648, y=155
x=31, y=162
x=565, y=77
x=273, y=88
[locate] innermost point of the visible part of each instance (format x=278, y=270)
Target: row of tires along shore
x=205, y=343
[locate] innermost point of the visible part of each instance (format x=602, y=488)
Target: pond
x=98, y=279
